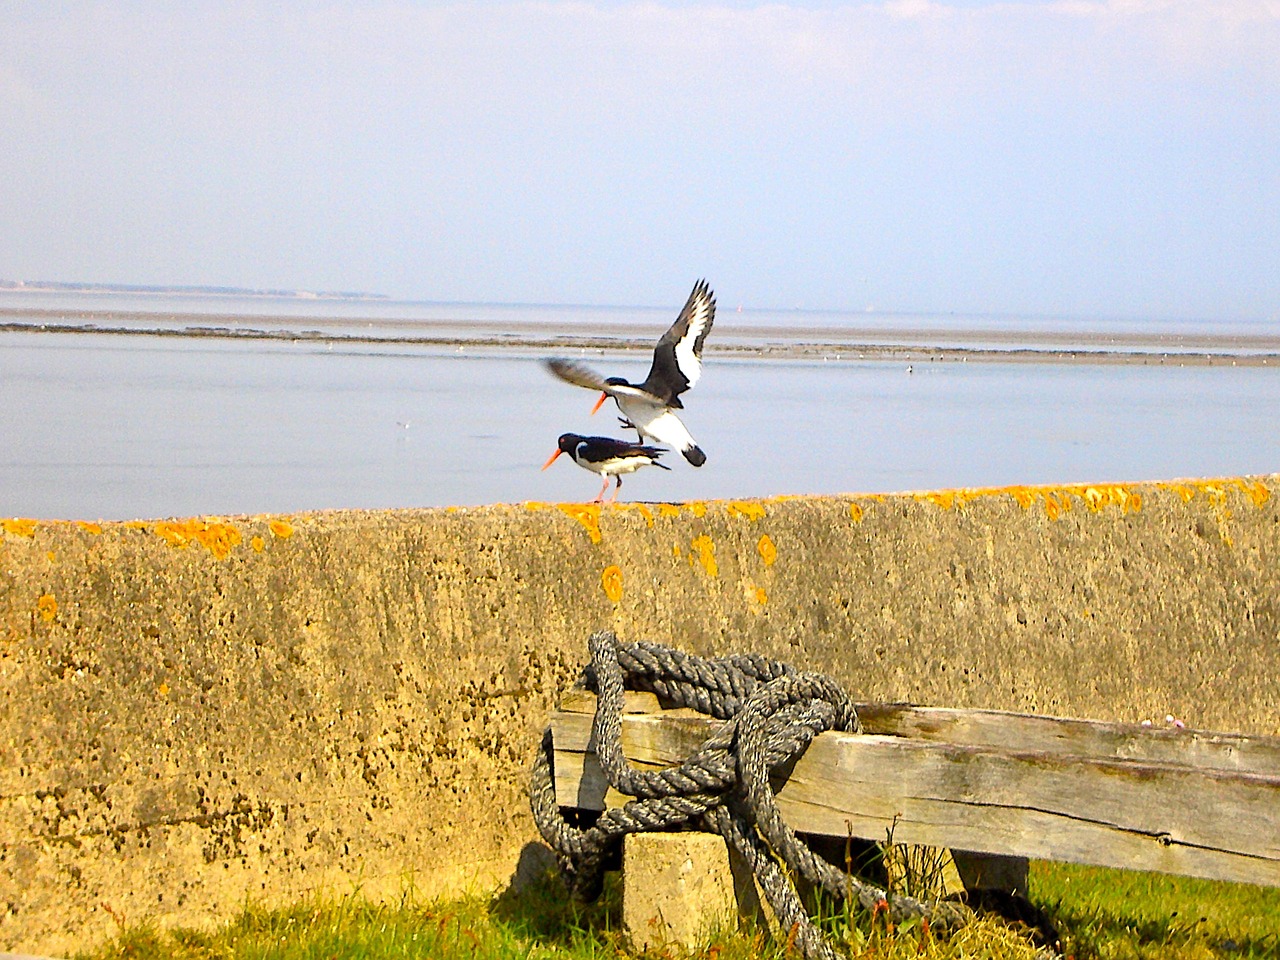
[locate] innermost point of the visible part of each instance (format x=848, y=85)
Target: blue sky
x=1118, y=158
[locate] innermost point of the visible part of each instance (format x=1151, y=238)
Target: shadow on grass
x=537, y=906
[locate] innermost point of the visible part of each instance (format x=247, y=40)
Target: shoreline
x=785, y=343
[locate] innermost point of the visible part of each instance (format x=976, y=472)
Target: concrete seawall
x=192, y=712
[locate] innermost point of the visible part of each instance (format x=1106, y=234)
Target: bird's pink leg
x=615, y=489
x=600, y=496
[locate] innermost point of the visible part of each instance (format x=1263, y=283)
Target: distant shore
x=56, y=286
x=839, y=344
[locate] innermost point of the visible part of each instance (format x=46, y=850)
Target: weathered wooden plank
x=1200, y=749
x=1168, y=817
x=1086, y=738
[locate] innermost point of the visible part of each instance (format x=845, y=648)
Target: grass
x=1125, y=914
x=1102, y=914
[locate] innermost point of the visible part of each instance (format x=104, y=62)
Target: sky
x=1073, y=158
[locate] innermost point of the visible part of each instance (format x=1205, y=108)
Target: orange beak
x=553, y=459
x=599, y=403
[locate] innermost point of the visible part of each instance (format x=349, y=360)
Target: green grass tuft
x=1127, y=914
x=1102, y=915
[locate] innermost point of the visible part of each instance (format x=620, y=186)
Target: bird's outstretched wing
x=580, y=375
x=575, y=373
x=677, y=359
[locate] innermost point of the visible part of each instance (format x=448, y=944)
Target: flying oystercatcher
x=607, y=457
x=649, y=407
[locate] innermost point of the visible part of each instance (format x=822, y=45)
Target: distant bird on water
x=649, y=407
x=607, y=457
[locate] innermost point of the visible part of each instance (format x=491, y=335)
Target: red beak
x=599, y=403
x=553, y=459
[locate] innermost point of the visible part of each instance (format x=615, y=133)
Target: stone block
x=677, y=889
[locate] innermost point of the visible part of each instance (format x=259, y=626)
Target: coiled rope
x=771, y=712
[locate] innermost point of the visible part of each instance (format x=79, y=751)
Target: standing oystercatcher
x=607, y=457
x=649, y=407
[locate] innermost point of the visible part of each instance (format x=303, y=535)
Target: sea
x=130, y=405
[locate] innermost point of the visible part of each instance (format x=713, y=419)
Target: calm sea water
x=123, y=427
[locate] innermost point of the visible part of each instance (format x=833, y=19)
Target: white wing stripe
x=690, y=363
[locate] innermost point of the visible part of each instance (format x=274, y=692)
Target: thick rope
x=771, y=712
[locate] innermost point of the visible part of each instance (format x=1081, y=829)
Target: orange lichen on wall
x=20, y=527
x=668, y=510
x=746, y=508
x=611, y=580
x=216, y=537
x=761, y=597
x=1216, y=490
x=1055, y=500
x=706, y=550
x=258, y=544
x=281, y=529
x=587, y=514
x=697, y=508
x=89, y=527
x=641, y=509
x=768, y=552
x=855, y=511
x=48, y=607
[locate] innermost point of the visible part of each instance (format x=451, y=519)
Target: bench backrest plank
x=1069, y=798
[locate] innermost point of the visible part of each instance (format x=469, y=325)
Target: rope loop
x=772, y=712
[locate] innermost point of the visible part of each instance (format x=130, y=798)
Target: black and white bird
x=607, y=457
x=649, y=407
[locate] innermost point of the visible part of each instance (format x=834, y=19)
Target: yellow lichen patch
x=746, y=508
x=1024, y=496
x=533, y=506
x=676, y=552
x=697, y=508
x=1256, y=491
x=163, y=689
x=281, y=529
x=53, y=557
x=216, y=537
x=668, y=510
x=946, y=499
x=761, y=597
x=611, y=580
x=135, y=525
x=48, y=607
x=641, y=509
x=587, y=514
x=1217, y=492
x=1055, y=500
x=20, y=527
x=1055, y=506
x=258, y=544
x=706, y=550
x=855, y=512
x=768, y=552
x=89, y=527
x=1098, y=498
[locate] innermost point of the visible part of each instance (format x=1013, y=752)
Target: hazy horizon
x=1067, y=158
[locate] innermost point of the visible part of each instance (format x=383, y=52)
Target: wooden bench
x=991, y=786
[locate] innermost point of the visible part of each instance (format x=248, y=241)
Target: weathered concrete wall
x=196, y=711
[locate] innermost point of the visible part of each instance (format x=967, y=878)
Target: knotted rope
x=771, y=712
